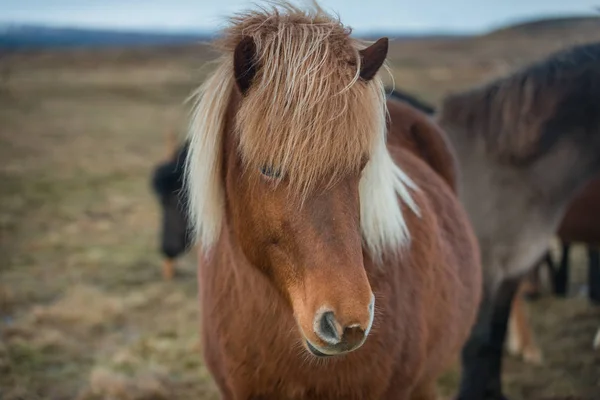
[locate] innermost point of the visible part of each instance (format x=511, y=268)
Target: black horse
x=167, y=184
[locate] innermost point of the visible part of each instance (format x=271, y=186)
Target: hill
x=550, y=25
x=35, y=37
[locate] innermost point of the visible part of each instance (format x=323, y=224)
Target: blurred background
x=89, y=91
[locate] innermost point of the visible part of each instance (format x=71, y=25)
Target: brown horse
x=526, y=144
x=580, y=224
x=331, y=265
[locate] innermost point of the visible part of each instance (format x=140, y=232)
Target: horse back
x=414, y=131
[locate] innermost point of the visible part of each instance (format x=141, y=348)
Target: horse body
x=526, y=143
x=331, y=265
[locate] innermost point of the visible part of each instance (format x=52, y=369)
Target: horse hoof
x=513, y=344
x=488, y=397
x=532, y=296
x=533, y=355
x=530, y=354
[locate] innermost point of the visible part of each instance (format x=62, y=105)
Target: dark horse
x=527, y=143
x=167, y=183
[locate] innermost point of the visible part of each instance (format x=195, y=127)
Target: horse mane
x=412, y=100
x=521, y=116
x=307, y=114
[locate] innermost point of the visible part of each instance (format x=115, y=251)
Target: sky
x=362, y=15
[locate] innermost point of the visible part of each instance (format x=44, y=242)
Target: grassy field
x=84, y=313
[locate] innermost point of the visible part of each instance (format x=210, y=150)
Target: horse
x=527, y=143
x=167, y=180
x=167, y=186
x=580, y=224
x=331, y=264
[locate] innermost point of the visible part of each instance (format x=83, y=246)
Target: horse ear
x=244, y=63
x=372, y=58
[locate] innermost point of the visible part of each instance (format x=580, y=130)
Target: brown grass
x=84, y=312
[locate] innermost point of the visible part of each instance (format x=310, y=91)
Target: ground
x=84, y=312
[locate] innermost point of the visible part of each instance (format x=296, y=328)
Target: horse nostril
x=327, y=328
x=353, y=336
x=336, y=335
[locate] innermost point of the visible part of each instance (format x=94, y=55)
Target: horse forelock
x=307, y=114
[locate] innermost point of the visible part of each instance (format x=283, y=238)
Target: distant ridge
x=549, y=24
x=35, y=37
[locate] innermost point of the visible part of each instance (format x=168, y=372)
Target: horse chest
x=259, y=350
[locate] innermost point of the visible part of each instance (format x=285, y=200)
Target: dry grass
x=84, y=312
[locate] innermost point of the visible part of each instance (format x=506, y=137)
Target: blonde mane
x=307, y=114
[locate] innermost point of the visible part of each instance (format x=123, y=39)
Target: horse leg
x=482, y=354
x=168, y=269
x=520, y=340
x=550, y=264
x=594, y=274
x=561, y=278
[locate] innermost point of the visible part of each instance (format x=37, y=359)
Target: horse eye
x=270, y=172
